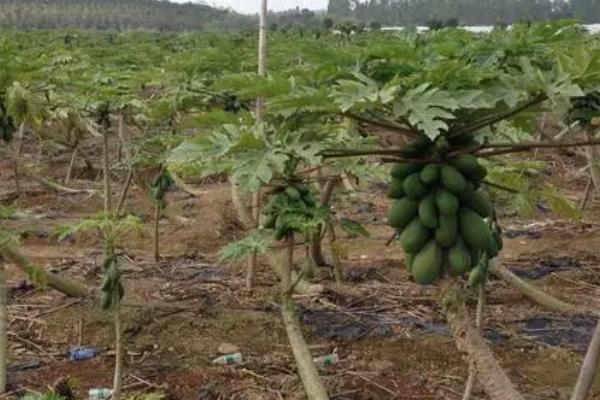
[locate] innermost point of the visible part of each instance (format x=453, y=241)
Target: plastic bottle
x=328, y=359
x=83, y=353
x=233, y=358
x=99, y=394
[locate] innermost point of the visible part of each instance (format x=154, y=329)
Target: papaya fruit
x=446, y=233
x=464, y=196
x=416, y=149
x=409, y=258
x=427, y=264
x=465, y=163
x=477, y=276
x=446, y=202
x=402, y=170
x=479, y=174
x=403, y=211
x=452, y=179
x=413, y=187
x=395, y=191
x=430, y=174
x=480, y=202
x=106, y=284
x=414, y=236
x=292, y=193
x=106, y=300
x=464, y=139
x=441, y=145
x=473, y=229
x=475, y=257
x=459, y=258
x=428, y=211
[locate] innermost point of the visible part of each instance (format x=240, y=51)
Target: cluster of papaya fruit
x=7, y=127
x=585, y=108
x=441, y=213
x=111, y=282
x=159, y=187
x=291, y=207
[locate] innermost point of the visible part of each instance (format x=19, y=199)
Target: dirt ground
x=387, y=331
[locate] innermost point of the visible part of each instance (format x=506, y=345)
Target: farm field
x=171, y=118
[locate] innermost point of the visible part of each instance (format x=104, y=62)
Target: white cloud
x=252, y=6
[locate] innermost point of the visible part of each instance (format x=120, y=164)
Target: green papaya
x=479, y=174
x=409, y=258
x=413, y=187
x=459, y=258
x=292, y=193
x=465, y=163
x=395, y=191
x=414, y=236
x=106, y=284
x=428, y=211
x=477, y=276
x=416, y=149
x=480, y=202
x=427, y=265
x=106, y=300
x=464, y=139
x=475, y=257
x=430, y=174
x=473, y=229
x=446, y=202
x=466, y=194
x=446, y=233
x=402, y=212
x=441, y=145
x=452, y=179
x=402, y=170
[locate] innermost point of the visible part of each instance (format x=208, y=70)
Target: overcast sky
x=251, y=6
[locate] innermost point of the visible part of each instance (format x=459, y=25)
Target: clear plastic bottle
x=99, y=394
x=328, y=359
x=233, y=358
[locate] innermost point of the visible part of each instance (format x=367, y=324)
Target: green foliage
x=111, y=229
x=353, y=228
x=523, y=177
x=257, y=242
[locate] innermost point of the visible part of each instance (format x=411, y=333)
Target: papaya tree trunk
x=71, y=165
x=313, y=386
x=123, y=196
x=3, y=328
x=317, y=236
x=469, y=341
x=63, y=285
x=106, y=172
x=239, y=202
x=478, y=323
x=334, y=247
x=589, y=368
x=157, y=231
x=593, y=155
x=118, y=376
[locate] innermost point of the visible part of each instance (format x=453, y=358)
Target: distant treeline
x=117, y=15
x=465, y=12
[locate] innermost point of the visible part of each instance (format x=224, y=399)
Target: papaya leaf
x=353, y=228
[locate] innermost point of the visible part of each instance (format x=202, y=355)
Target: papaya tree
x=111, y=230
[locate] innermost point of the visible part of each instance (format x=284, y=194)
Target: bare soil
x=391, y=339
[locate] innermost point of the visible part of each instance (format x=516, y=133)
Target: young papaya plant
x=111, y=230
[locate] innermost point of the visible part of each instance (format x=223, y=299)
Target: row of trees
x=116, y=14
x=469, y=12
